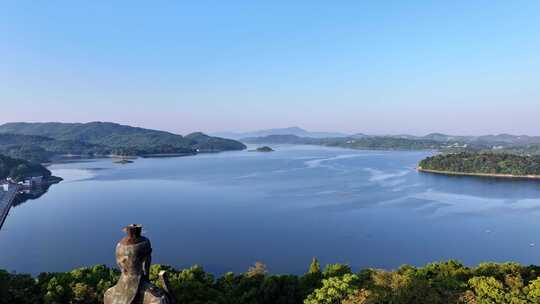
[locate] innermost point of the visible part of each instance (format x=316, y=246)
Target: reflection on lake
x=225, y=211
x=30, y=194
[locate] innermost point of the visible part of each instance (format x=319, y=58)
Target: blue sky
x=460, y=67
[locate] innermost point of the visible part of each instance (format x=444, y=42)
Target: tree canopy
x=438, y=283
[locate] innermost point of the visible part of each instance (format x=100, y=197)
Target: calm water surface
x=228, y=210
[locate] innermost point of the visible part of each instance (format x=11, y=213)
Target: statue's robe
x=133, y=256
x=146, y=293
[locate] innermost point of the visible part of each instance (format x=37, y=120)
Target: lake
x=225, y=211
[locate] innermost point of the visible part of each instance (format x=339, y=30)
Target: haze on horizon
x=379, y=67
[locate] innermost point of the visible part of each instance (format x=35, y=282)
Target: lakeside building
x=7, y=185
x=29, y=182
x=32, y=181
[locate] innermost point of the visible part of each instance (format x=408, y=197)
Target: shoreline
x=6, y=202
x=490, y=175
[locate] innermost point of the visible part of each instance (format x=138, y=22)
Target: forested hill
x=103, y=133
x=39, y=141
x=375, y=142
x=483, y=163
x=40, y=149
x=18, y=169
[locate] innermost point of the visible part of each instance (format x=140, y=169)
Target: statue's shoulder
x=108, y=296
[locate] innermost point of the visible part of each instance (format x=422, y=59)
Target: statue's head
x=133, y=252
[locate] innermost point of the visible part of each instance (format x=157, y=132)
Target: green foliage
x=485, y=163
x=315, y=266
x=334, y=290
x=191, y=285
x=312, y=279
x=533, y=291
x=490, y=290
x=403, y=286
x=17, y=288
x=437, y=283
x=336, y=270
x=82, y=285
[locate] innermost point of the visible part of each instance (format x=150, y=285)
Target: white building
x=32, y=181
x=7, y=186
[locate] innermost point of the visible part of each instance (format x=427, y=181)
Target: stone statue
x=133, y=256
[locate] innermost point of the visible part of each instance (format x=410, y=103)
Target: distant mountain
x=523, y=144
x=500, y=139
x=437, y=137
x=359, y=135
x=280, y=139
x=297, y=131
x=37, y=141
x=510, y=139
x=360, y=142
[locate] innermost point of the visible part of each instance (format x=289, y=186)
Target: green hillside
x=40, y=141
x=204, y=143
x=18, y=169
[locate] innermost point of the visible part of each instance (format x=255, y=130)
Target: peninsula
x=498, y=165
x=17, y=175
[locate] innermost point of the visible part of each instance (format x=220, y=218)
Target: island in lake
x=263, y=149
x=122, y=161
x=504, y=165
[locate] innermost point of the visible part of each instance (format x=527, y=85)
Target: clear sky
x=459, y=67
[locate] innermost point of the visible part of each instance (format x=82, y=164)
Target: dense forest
x=39, y=142
x=437, y=283
x=18, y=169
x=485, y=163
x=41, y=149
